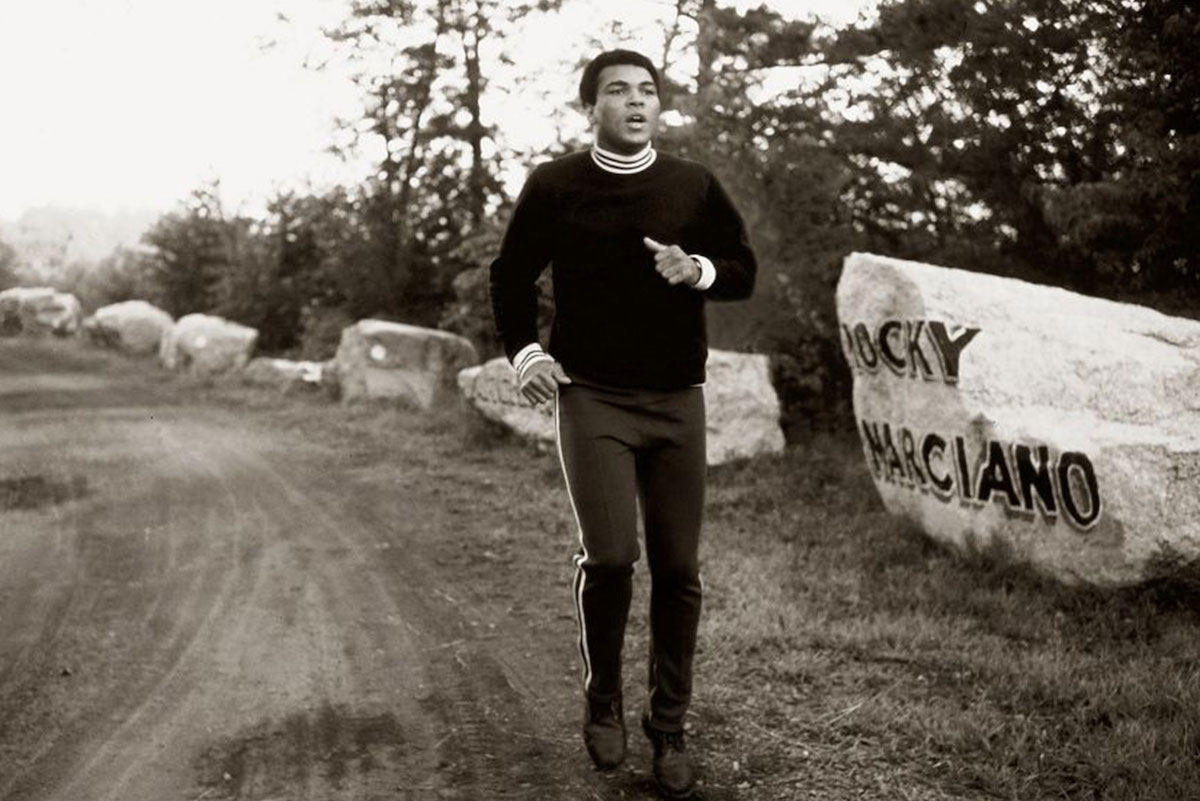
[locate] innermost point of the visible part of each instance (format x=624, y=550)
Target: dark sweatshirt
x=617, y=322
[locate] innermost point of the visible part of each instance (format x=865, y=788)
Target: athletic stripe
x=580, y=559
x=525, y=352
x=531, y=361
x=624, y=169
x=533, y=354
x=622, y=159
x=584, y=653
x=623, y=165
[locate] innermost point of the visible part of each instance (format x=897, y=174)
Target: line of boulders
x=421, y=367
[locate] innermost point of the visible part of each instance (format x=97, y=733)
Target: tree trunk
x=472, y=35
x=706, y=52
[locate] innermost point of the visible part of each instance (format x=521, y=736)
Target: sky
x=123, y=105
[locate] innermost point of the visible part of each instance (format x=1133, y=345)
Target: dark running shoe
x=604, y=733
x=674, y=772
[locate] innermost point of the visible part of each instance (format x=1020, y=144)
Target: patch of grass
x=856, y=646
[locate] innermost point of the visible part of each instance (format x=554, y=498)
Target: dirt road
x=203, y=600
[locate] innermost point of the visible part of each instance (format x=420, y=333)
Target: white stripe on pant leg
x=580, y=559
x=577, y=587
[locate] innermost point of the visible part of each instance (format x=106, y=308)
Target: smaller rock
x=205, y=345
x=284, y=374
x=381, y=359
x=34, y=311
x=742, y=407
x=133, y=326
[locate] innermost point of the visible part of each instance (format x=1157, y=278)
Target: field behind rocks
x=841, y=656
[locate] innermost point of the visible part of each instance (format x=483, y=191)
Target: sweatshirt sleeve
x=727, y=245
x=524, y=254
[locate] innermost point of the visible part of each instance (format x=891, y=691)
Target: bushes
x=321, y=332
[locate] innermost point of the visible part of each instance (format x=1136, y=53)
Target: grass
x=856, y=648
x=842, y=654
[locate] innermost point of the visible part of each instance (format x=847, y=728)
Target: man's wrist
x=708, y=272
x=527, y=357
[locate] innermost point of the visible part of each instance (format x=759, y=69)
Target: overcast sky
x=130, y=104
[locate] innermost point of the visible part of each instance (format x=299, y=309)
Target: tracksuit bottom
x=621, y=449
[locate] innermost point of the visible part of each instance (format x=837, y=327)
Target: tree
x=1140, y=220
x=8, y=266
x=422, y=68
x=124, y=274
x=192, y=251
x=1014, y=135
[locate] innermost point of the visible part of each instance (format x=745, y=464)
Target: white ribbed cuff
x=528, y=356
x=708, y=272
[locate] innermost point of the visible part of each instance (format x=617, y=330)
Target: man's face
x=625, y=116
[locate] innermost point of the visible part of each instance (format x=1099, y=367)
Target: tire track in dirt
x=170, y=619
x=18, y=604
x=496, y=741
x=188, y=623
x=347, y=588
x=472, y=690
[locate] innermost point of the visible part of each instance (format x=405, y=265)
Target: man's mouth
x=635, y=119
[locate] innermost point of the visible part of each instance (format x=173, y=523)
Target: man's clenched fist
x=673, y=264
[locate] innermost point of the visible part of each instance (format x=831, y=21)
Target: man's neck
x=623, y=164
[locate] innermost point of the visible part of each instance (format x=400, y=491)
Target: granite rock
x=1060, y=428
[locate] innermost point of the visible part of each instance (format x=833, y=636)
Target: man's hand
x=673, y=264
x=539, y=381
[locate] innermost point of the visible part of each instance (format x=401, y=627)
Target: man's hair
x=589, y=83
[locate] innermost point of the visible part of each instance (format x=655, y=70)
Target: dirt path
x=197, y=601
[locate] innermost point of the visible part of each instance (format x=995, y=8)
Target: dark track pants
x=620, y=448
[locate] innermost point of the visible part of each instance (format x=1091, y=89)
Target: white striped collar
x=624, y=165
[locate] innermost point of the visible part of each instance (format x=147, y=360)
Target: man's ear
x=588, y=111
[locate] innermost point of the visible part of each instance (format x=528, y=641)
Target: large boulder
x=741, y=405
x=34, y=311
x=380, y=359
x=133, y=326
x=205, y=345
x=1060, y=428
x=284, y=375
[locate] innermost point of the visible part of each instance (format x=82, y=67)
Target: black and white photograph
x=552, y=400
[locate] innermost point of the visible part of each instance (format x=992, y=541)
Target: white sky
x=131, y=104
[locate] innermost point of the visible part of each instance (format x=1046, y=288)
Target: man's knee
x=613, y=560
x=680, y=574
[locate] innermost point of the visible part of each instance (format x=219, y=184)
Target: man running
x=637, y=241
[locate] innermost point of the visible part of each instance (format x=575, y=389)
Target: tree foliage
x=8, y=266
x=1045, y=138
x=192, y=249
x=423, y=68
